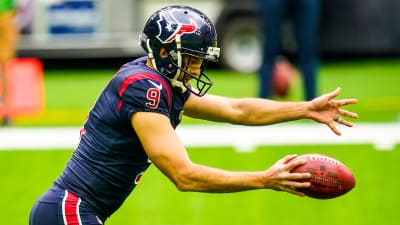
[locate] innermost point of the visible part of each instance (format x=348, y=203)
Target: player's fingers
x=295, y=163
x=344, y=102
x=296, y=184
x=287, y=158
x=334, y=93
x=292, y=190
x=347, y=113
x=333, y=128
x=298, y=176
x=345, y=122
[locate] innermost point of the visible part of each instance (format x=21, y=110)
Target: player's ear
x=163, y=52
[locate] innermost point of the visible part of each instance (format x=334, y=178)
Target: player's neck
x=149, y=64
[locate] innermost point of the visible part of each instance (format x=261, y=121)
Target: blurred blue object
x=72, y=17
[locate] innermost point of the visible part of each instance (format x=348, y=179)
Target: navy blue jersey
x=110, y=159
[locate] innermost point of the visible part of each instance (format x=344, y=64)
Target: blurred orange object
x=283, y=74
x=24, y=88
x=2, y=107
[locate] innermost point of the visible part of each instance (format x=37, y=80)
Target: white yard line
x=384, y=136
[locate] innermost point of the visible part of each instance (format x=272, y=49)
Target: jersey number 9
x=153, y=95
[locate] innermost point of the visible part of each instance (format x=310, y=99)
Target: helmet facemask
x=202, y=83
x=189, y=57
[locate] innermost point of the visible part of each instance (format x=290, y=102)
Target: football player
x=132, y=126
x=9, y=36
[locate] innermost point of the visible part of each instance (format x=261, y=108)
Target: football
x=329, y=177
x=283, y=73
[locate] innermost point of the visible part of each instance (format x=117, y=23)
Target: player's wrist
x=307, y=110
x=262, y=180
x=266, y=179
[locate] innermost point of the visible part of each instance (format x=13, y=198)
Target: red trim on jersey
x=71, y=211
x=137, y=179
x=139, y=76
x=82, y=131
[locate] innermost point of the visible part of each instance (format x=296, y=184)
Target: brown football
x=329, y=177
x=283, y=74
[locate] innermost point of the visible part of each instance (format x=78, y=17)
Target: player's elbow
x=183, y=180
x=240, y=113
x=181, y=186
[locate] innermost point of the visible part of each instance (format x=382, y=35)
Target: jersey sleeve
x=144, y=95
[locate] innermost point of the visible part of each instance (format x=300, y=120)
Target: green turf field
x=155, y=201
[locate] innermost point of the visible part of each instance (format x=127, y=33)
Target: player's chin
x=186, y=80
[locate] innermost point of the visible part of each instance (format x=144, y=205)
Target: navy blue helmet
x=183, y=32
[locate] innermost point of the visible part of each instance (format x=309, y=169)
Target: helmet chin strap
x=174, y=81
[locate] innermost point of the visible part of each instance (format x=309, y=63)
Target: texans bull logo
x=168, y=34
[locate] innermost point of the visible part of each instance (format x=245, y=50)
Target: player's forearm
x=263, y=111
x=207, y=179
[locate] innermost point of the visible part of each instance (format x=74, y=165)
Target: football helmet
x=185, y=33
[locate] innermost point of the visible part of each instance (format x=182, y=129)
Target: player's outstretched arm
x=257, y=111
x=165, y=150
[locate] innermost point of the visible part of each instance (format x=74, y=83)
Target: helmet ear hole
x=163, y=52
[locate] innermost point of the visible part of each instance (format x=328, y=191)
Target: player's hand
x=279, y=178
x=326, y=110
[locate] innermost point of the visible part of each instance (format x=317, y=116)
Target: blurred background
x=68, y=50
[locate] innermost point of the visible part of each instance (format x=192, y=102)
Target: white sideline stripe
x=384, y=136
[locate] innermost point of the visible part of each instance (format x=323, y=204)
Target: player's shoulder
x=138, y=83
x=145, y=80
x=137, y=74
